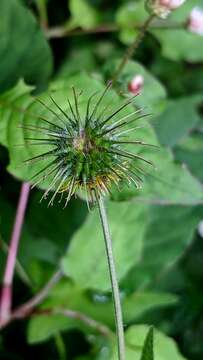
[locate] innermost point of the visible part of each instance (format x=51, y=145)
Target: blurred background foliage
x=157, y=231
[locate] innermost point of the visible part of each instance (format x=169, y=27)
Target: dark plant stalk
x=132, y=48
x=113, y=278
x=77, y=315
x=43, y=16
x=58, y=32
x=6, y=294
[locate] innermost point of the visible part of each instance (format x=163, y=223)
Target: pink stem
x=6, y=294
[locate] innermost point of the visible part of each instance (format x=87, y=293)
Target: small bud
x=162, y=8
x=195, y=22
x=136, y=84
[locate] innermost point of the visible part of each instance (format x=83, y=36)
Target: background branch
x=27, y=308
x=63, y=31
x=6, y=294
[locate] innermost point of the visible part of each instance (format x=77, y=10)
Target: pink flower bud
x=136, y=84
x=195, y=22
x=171, y=4
x=162, y=8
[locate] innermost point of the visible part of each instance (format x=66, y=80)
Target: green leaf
x=164, y=347
x=67, y=296
x=148, y=351
x=88, y=241
x=169, y=232
x=80, y=58
x=190, y=152
x=54, y=223
x=83, y=14
x=100, y=307
x=18, y=108
x=128, y=16
x=43, y=327
x=181, y=44
x=177, y=120
x=24, y=51
x=139, y=302
x=176, y=44
x=131, y=14
x=169, y=184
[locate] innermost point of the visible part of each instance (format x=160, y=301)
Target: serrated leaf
x=148, y=348
x=24, y=51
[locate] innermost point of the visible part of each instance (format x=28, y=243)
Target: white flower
x=195, y=22
x=136, y=84
x=162, y=8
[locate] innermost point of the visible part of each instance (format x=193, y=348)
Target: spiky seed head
x=87, y=152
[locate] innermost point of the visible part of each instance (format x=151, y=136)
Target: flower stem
x=113, y=277
x=43, y=16
x=132, y=48
x=6, y=294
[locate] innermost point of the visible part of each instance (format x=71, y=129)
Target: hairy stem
x=131, y=50
x=113, y=277
x=6, y=294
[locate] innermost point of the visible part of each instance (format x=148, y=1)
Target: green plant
x=87, y=131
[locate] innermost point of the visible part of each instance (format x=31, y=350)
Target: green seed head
x=88, y=151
